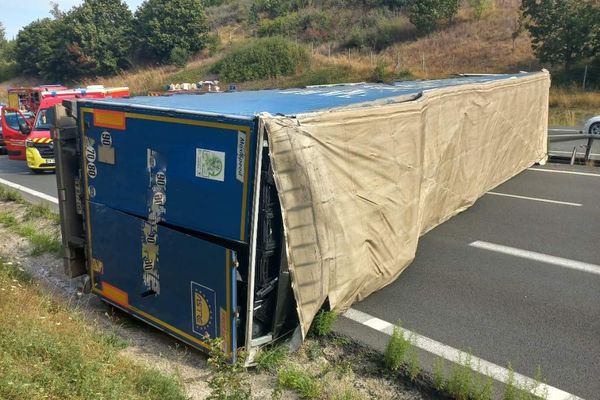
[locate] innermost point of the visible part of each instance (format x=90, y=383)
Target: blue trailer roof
x=246, y=104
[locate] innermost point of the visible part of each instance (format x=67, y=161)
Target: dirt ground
x=356, y=368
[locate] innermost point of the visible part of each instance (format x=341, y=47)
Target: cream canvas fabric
x=359, y=185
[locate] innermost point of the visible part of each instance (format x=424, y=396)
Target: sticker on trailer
x=204, y=302
x=161, y=179
x=210, y=164
x=90, y=153
x=240, y=160
x=92, y=170
x=106, y=138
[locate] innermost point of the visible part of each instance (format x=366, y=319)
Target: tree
x=162, y=26
x=426, y=15
x=92, y=39
x=33, y=46
x=562, y=31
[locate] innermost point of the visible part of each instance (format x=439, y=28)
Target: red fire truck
x=32, y=141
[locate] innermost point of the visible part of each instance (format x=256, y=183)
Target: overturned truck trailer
x=239, y=215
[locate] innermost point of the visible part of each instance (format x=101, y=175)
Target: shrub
x=261, y=59
x=179, y=57
x=396, y=350
x=7, y=71
x=280, y=26
x=323, y=323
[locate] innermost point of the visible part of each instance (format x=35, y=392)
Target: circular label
x=161, y=179
x=90, y=153
x=202, y=310
x=106, y=139
x=159, y=198
x=92, y=171
x=92, y=191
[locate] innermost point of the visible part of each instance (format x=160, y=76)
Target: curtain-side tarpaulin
x=358, y=185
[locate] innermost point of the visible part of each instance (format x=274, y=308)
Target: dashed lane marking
x=540, y=257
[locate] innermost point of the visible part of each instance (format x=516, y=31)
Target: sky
x=15, y=14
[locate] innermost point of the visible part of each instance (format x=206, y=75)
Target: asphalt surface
x=501, y=308
x=17, y=172
x=506, y=309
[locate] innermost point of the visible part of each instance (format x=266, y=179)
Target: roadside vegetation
x=49, y=351
x=34, y=222
x=459, y=380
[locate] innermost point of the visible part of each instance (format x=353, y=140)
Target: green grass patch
x=396, y=350
x=48, y=351
x=322, y=325
x=270, y=359
x=41, y=242
x=9, y=194
x=301, y=382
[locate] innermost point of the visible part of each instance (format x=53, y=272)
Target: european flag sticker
x=204, y=302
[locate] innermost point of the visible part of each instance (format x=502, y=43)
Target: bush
x=280, y=26
x=323, y=323
x=261, y=59
x=162, y=26
x=179, y=57
x=396, y=350
x=7, y=71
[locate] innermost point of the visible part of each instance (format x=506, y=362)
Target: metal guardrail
x=576, y=136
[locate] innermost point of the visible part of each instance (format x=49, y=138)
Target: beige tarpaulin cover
x=359, y=185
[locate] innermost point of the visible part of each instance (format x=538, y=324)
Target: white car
x=592, y=126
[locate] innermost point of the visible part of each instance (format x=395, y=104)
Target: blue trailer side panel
x=203, y=165
x=196, y=293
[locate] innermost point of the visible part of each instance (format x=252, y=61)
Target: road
x=17, y=173
x=514, y=279
x=472, y=287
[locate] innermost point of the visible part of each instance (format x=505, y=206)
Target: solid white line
x=29, y=191
x=450, y=353
x=565, y=203
x=558, y=171
x=541, y=257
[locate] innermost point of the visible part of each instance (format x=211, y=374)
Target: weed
x=438, y=374
x=270, y=359
x=229, y=380
x=299, y=381
x=40, y=211
x=313, y=350
x=461, y=383
x=396, y=350
x=323, y=323
x=9, y=195
x=413, y=365
x=510, y=392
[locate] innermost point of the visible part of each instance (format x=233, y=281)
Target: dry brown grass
x=570, y=106
x=469, y=45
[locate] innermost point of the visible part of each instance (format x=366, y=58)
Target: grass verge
x=50, y=352
x=37, y=223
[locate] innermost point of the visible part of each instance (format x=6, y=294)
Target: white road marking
x=565, y=203
x=450, y=353
x=559, y=171
x=541, y=257
x=32, y=192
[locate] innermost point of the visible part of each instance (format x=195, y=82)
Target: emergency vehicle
x=32, y=141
